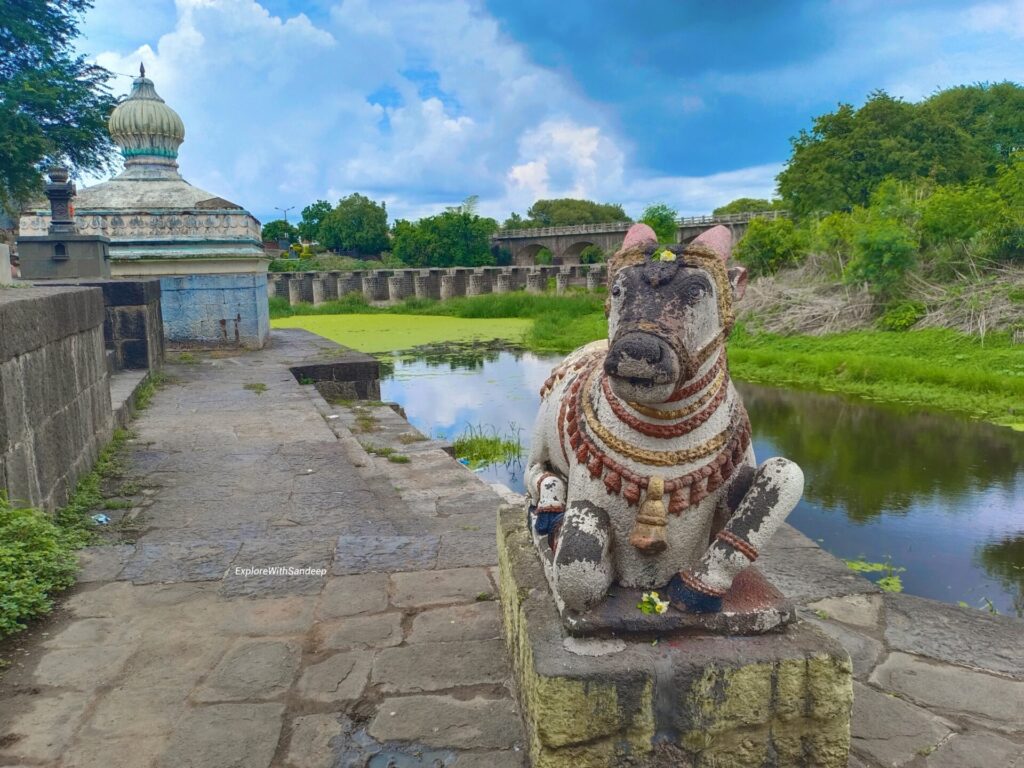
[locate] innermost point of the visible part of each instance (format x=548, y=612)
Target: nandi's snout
x=642, y=366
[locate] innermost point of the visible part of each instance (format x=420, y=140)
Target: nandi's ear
x=738, y=281
x=718, y=239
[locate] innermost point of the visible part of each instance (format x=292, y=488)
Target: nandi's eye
x=616, y=290
x=694, y=292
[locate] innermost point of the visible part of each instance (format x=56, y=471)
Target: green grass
x=255, y=386
x=482, y=447
x=937, y=369
x=37, y=551
x=559, y=323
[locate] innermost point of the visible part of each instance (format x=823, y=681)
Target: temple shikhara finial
x=142, y=69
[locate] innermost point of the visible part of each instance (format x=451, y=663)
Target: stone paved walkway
x=166, y=655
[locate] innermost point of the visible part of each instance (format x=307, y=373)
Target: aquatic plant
x=483, y=446
x=891, y=582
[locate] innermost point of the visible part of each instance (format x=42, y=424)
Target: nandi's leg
x=547, y=492
x=583, y=568
x=776, y=488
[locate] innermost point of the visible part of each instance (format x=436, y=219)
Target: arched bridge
x=566, y=243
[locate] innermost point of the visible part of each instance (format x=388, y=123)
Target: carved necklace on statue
x=590, y=441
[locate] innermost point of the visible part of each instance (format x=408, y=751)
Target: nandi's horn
x=639, y=234
x=639, y=239
x=718, y=239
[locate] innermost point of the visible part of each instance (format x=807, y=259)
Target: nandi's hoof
x=689, y=595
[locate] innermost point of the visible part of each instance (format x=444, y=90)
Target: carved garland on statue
x=589, y=440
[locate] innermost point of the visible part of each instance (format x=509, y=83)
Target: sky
x=422, y=103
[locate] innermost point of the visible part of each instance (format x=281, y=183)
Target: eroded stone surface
x=339, y=679
x=372, y=631
x=958, y=635
x=976, y=750
x=864, y=650
x=460, y=585
x=442, y=721
x=225, y=736
x=861, y=610
x=947, y=688
x=473, y=621
x=891, y=731
x=260, y=669
x=310, y=744
x=39, y=727
x=438, y=666
x=351, y=595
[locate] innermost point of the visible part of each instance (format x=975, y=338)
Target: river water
x=938, y=496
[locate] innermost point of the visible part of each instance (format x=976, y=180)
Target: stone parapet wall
x=55, y=410
x=397, y=285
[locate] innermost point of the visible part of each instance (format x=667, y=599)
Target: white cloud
x=282, y=111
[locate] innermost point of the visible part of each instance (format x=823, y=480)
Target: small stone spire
x=142, y=69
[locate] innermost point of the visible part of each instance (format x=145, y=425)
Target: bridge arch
x=571, y=253
x=526, y=255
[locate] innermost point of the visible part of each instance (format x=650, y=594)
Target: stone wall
x=55, y=410
x=218, y=310
x=380, y=285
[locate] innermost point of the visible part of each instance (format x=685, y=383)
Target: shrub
x=36, y=559
x=883, y=249
x=662, y=219
x=902, y=316
x=770, y=245
x=959, y=213
x=592, y=254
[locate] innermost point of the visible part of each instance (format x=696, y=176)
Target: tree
x=356, y=225
x=567, y=211
x=454, y=238
x=279, y=229
x=662, y=220
x=54, y=105
x=769, y=245
x=883, y=250
x=746, y=205
x=956, y=136
x=592, y=254
x=312, y=217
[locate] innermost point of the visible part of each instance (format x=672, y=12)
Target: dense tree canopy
x=747, y=205
x=357, y=225
x=279, y=229
x=53, y=104
x=312, y=217
x=662, y=220
x=565, y=212
x=455, y=238
x=954, y=137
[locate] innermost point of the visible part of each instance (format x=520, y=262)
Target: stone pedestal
x=503, y=283
x=5, y=266
x=536, y=282
x=683, y=699
x=317, y=289
x=478, y=284
x=594, y=280
x=448, y=287
x=562, y=282
x=294, y=291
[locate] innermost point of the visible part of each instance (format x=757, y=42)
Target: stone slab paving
x=164, y=655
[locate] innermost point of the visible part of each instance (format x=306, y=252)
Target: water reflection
x=867, y=460
x=942, y=497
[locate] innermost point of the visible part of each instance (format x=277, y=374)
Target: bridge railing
x=622, y=226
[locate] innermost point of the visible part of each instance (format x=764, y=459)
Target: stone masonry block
x=691, y=700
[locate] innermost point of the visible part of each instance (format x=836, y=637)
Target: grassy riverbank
x=939, y=369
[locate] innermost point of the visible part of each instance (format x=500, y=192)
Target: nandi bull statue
x=641, y=469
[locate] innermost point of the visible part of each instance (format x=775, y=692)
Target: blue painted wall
x=229, y=310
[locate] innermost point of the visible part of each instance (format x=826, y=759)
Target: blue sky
x=421, y=103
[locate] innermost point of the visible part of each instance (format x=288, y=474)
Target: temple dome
x=146, y=129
